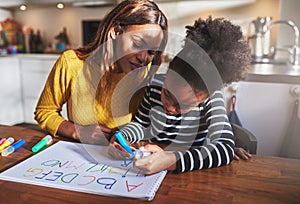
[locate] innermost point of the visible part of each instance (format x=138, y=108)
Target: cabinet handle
x=295, y=91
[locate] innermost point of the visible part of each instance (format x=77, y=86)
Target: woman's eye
x=137, y=45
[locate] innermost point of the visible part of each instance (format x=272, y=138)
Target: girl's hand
x=152, y=148
x=116, y=151
x=156, y=162
x=241, y=153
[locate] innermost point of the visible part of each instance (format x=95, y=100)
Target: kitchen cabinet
x=22, y=79
x=34, y=72
x=266, y=110
x=11, y=107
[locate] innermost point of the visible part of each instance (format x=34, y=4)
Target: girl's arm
x=218, y=148
x=135, y=131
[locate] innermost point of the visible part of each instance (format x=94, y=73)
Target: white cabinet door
x=266, y=110
x=34, y=75
x=11, y=109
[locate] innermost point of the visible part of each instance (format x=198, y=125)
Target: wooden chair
x=244, y=138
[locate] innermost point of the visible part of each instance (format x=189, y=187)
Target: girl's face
x=136, y=46
x=178, y=96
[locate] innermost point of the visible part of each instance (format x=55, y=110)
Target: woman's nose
x=144, y=57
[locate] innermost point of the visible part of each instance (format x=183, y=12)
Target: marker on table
x=13, y=148
x=124, y=143
x=45, y=141
x=6, y=143
x=2, y=140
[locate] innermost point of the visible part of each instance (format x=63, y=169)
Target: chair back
x=244, y=138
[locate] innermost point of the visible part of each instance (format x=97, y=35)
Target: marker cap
x=6, y=143
x=7, y=151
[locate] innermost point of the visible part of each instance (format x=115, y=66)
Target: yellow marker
x=7, y=142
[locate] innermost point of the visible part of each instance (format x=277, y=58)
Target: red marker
x=2, y=141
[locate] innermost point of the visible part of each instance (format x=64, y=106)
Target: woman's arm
x=52, y=98
x=67, y=128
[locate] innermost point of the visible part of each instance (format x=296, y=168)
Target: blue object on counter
x=60, y=46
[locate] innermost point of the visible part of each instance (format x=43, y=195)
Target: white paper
x=84, y=168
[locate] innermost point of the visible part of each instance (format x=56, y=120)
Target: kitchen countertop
x=39, y=56
x=33, y=56
x=270, y=73
x=274, y=73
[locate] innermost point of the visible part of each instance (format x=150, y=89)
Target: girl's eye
x=167, y=94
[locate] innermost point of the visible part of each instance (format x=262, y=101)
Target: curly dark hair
x=224, y=44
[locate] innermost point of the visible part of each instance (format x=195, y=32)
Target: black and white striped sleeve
x=218, y=148
x=134, y=131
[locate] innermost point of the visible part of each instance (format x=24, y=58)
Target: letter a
x=132, y=187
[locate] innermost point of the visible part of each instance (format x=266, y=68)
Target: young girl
x=185, y=108
x=130, y=38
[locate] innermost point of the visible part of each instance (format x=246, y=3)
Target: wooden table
x=263, y=179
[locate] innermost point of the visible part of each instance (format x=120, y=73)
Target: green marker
x=45, y=141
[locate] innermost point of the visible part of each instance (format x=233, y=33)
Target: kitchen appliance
x=260, y=41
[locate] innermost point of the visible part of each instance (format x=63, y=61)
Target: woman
x=130, y=39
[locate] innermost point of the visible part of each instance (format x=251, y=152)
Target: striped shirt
x=205, y=131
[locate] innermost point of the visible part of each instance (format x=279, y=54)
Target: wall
x=179, y=15
x=289, y=11
x=4, y=14
x=51, y=21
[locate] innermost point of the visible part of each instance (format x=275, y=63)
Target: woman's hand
x=116, y=151
x=159, y=160
x=91, y=134
x=241, y=153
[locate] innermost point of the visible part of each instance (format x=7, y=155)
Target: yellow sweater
x=69, y=82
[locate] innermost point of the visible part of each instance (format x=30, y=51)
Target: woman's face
x=136, y=46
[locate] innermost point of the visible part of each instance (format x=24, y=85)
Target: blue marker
x=123, y=143
x=12, y=148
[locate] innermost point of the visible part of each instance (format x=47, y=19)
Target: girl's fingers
x=152, y=148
